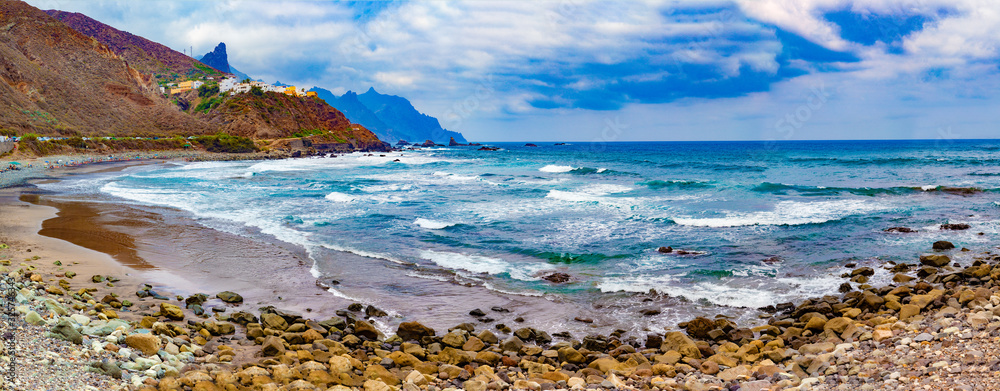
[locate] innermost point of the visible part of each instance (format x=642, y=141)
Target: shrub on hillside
x=226, y=143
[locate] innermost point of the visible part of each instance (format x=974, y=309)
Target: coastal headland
x=119, y=321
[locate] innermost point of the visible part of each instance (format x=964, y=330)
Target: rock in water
x=665, y=250
x=64, y=330
x=955, y=227
x=229, y=297
x=900, y=230
x=557, y=278
x=943, y=245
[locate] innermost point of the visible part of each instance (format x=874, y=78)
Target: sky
x=603, y=71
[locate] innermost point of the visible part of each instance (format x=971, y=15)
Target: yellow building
x=178, y=90
x=187, y=85
x=290, y=90
x=312, y=94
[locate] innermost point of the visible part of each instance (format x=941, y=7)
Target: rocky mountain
x=55, y=80
x=391, y=118
x=217, y=58
x=142, y=54
x=272, y=115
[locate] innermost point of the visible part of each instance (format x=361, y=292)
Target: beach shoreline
x=823, y=342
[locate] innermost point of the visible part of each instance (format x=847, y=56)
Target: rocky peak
x=217, y=58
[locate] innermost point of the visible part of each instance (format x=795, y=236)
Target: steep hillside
x=217, y=58
x=57, y=81
x=273, y=115
x=142, y=54
x=391, y=118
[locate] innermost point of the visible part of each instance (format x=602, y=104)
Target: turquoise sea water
x=409, y=223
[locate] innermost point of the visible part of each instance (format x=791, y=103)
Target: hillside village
x=232, y=86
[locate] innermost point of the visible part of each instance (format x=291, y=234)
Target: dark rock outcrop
x=217, y=58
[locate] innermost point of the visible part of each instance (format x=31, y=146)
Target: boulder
x=453, y=339
x=413, y=331
x=365, y=329
x=171, y=311
x=64, y=330
x=934, y=260
x=699, y=327
x=557, y=278
x=273, y=321
x=33, y=318
x=148, y=344
x=681, y=343
x=943, y=245
x=955, y=227
x=272, y=346
x=229, y=297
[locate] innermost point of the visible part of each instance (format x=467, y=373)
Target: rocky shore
x=934, y=327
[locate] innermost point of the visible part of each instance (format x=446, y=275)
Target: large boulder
x=64, y=330
x=934, y=260
x=273, y=321
x=148, y=344
x=943, y=245
x=171, y=311
x=365, y=329
x=680, y=343
x=272, y=346
x=699, y=327
x=229, y=297
x=413, y=331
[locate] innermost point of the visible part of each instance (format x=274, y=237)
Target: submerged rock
x=557, y=278
x=943, y=245
x=901, y=230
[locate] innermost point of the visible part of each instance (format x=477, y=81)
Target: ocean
x=436, y=232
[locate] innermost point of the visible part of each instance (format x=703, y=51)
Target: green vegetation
x=205, y=68
x=209, y=104
x=8, y=132
x=308, y=132
x=226, y=143
x=256, y=91
x=207, y=90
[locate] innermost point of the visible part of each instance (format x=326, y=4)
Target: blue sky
x=575, y=70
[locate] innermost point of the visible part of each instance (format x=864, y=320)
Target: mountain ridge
x=143, y=54
x=390, y=117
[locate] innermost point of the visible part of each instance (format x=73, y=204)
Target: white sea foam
x=432, y=224
x=788, y=213
x=484, y=265
x=737, y=293
x=340, y=197
x=366, y=254
x=555, y=168
x=572, y=196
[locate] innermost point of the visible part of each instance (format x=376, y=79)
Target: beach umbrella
x=15, y=163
